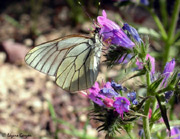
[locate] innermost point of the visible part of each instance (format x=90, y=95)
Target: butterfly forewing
x=47, y=57
x=70, y=59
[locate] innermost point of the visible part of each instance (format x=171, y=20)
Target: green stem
x=177, y=35
x=146, y=120
x=166, y=52
x=146, y=110
x=148, y=80
x=159, y=24
x=164, y=14
x=175, y=16
x=171, y=31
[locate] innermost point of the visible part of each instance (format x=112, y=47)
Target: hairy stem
x=159, y=24
x=146, y=110
x=171, y=31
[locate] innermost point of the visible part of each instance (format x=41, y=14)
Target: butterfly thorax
x=96, y=46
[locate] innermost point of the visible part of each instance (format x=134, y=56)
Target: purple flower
x=169, y=66
x=96, y=99
x=107, y=85
x=99, y=95
x=109, y=92
x=152, y=61
x=175, y=133
x=135, y=102
x=95, y=96
x=132, y=97
x=116, y=86
x=133, y=32
x=167, y=71
x=95, y=89
x=144, y=2
x=121, y=104
x=112, y=31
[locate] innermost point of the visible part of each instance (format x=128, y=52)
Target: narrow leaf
x=161, y=102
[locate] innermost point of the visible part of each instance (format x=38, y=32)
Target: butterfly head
x=97, y=30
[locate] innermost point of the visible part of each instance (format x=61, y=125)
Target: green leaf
x=155, y=117
x=52, y=111
x=144, y=47
x=172, y=84
x=154, y=85
x=161, y=126
x=173, y=80
x=150, y=32
x=162, y=106
x=13, y=21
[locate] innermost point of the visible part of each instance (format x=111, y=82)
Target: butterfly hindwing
x=76, y=76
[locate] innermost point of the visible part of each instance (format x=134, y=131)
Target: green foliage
x=154, y=85
x=160, y=126
x=149, y=31
x=13, y=21
x=155, y=117
x=172, y=84
x=111, y=120
x=72, y=130
x=162, y=106
x=51, y=109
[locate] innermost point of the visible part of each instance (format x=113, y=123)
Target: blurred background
x=26, y=95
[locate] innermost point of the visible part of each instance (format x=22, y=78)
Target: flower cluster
x=126, y=45
x=106, y=96
x=111, y=31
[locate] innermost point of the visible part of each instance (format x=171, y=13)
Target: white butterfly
x=73, y=60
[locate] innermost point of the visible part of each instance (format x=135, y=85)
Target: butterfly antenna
x=99, y=3
x=85, y=11
x=93, y=21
